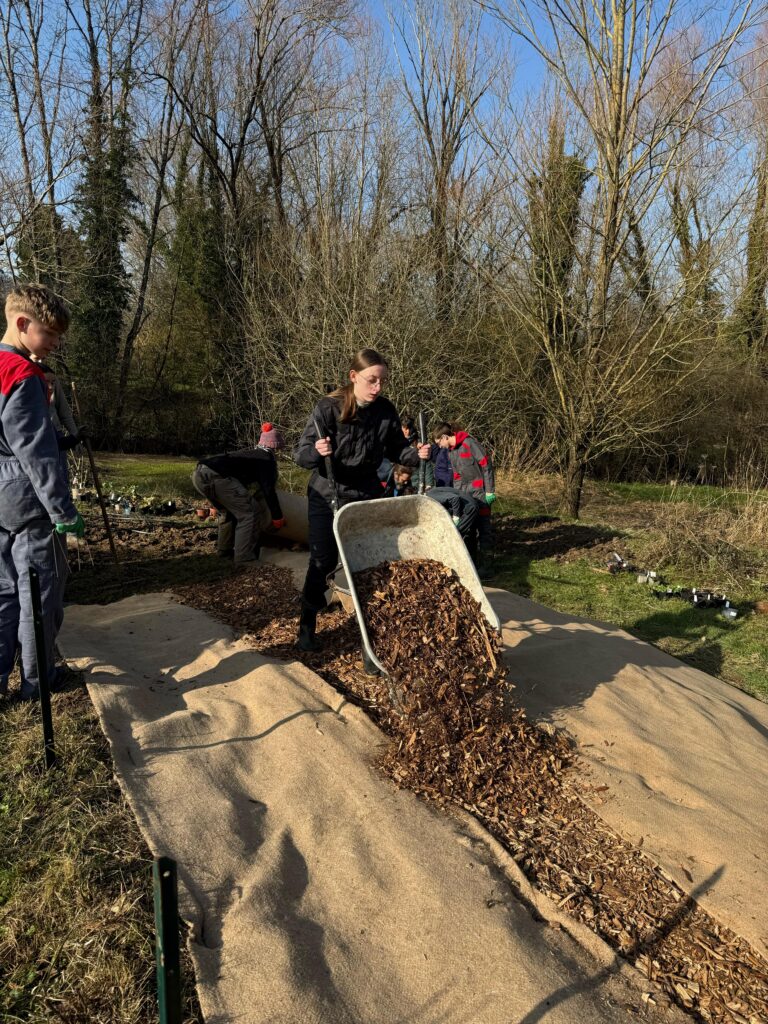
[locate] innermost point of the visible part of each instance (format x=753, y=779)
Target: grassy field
x=675, y=531
x=170, y=477
x=76, y=917
x=157, y=477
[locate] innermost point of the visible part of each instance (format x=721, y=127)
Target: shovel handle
x=328, y=460
x=422, y=428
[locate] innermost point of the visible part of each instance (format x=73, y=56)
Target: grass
x=169, y=477
x=699, y=494
x=735, y=651
x=683, y=539
x=76, y=917
x=151, y=476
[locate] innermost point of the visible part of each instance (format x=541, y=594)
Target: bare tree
x=619, y=358
x=447, y=70
x=40, y=111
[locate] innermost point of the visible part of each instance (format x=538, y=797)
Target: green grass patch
x=76, y=917
x=697, y=494
x=170, y=477
x=162, y=477
x=736, y=651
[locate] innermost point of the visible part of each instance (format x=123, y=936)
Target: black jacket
x=250, y=466
x=461, y=506
x=373, y=434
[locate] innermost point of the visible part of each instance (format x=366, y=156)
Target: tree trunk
x=573, y=482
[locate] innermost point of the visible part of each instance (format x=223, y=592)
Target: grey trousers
x=37, y=545
x=239, y=513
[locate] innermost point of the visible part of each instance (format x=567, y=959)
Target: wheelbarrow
x=390, y=529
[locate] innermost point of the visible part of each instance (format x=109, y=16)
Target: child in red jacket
x=472, y=475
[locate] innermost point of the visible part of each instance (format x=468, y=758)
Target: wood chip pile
x=463, y=740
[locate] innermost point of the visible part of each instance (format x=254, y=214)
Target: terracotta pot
x=201, y=513
x=213, y=512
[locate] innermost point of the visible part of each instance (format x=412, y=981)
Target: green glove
x=490, y=497
x=77, y=526
x=456, y=520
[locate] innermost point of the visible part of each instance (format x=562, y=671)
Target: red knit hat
x=271, y=437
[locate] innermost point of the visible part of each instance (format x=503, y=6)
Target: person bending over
x=464, y=511
x=224, y=479
x=400, y=482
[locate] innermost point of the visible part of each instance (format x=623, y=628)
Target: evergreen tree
x=103, y=202
x=750, y=321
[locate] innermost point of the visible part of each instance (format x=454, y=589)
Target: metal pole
x=164, y=884
x=96, y=482
x=328, y=459
x=422, y=463
x=97, y=485
x=42, y=668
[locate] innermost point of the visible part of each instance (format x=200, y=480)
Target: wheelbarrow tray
x=394, y=529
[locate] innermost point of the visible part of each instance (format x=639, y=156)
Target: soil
x=543, y=536
x=459, y=738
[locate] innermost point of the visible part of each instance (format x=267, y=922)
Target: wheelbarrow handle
x=328, y=470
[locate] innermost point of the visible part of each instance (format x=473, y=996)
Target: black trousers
x=323, y=552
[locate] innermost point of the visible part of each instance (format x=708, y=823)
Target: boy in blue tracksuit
x=36, y=509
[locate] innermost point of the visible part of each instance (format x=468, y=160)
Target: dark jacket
x=472, y=468
x=359, y=447
x=443, y=470
x=32, y=484
x=459, y=505
x=391, y=490
x=250, y=466
x=387, y=468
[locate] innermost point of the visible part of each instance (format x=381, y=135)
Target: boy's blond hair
x=38, y=303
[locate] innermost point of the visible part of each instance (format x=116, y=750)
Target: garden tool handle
x=422, y=464
x=328, y=459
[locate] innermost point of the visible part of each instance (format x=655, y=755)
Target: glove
x=456, y=520
x=490, y=497
x=278, y=524
x=76, y=526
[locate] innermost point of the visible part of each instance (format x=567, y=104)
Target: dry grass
x=717, y=536
x=723, y=547
x=76, y=918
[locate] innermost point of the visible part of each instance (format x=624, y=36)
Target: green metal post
x=42, y=669
x=164, y=884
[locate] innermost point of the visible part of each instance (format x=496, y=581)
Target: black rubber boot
x=307, y=625
x=485, y=567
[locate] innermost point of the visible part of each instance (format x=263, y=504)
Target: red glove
x=278, y=524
